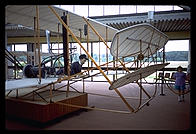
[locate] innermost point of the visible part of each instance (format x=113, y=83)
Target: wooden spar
x=143, y=89
x=100, y=109
x=58, y=44
x=65, y=43
x=66, y=78
x=88, y=44
x=80, y=40
x=136, y=98
x=151, y=53
x=98, y=67
x=145, y=103
x=68, y=65
x=92, y=56
x=117, y=55
x=140, y=102
x=58, y=37
x=35, y=42
x=99, y=53
x=162, y=81
x=106, y=48
x=38, y=32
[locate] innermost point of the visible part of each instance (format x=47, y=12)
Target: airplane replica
x=43, y=96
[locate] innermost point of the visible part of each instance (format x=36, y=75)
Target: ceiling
x=165, y=21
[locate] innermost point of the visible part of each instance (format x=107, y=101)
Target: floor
x=163, y=113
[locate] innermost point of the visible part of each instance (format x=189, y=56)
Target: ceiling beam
x=12, y=40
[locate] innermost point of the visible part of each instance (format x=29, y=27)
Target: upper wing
x=24, y=15
x=131, y=40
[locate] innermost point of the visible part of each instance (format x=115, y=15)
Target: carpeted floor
x=163, y=113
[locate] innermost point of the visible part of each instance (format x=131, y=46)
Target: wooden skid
x=43, y=112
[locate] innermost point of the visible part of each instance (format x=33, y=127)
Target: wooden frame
x=130, y=108
x=69, y=77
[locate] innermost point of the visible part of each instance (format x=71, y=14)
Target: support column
x=91, y=56
x=30, y=48
x=162, y=81
x=65, y=44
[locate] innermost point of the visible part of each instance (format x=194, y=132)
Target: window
x=111, y=10
x=127, y=9
x=163, y=8
x=20, y=47
x=177, y=53
x=81, y=10
x=144, y=8
x=95, y=10
x=101, y=10
x=67, y=7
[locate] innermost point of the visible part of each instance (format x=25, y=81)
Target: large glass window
x=127, y=9
x=111, y=10
x=67, y=7
x=101, y=10
x=94, y=8
x=19, y=47
x=81, y=10
x=176, y=53
x=163, y=8
x=144, y=8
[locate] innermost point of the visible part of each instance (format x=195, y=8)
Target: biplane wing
x=127, y=41
x=136, y=75
x=26, y=82
x=24, y=15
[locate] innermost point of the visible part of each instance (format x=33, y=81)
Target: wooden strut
x=35, y=41
x=96, y=93
x=68, y=68
x=65, y=78
x=75, y=38
x=72, y=76
x=106, y=48
x=38, y=38
x=117, y=54
x=88, y=45
x=36, y=90
x=141, y=87
x=100, y=109
x=135, y=98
